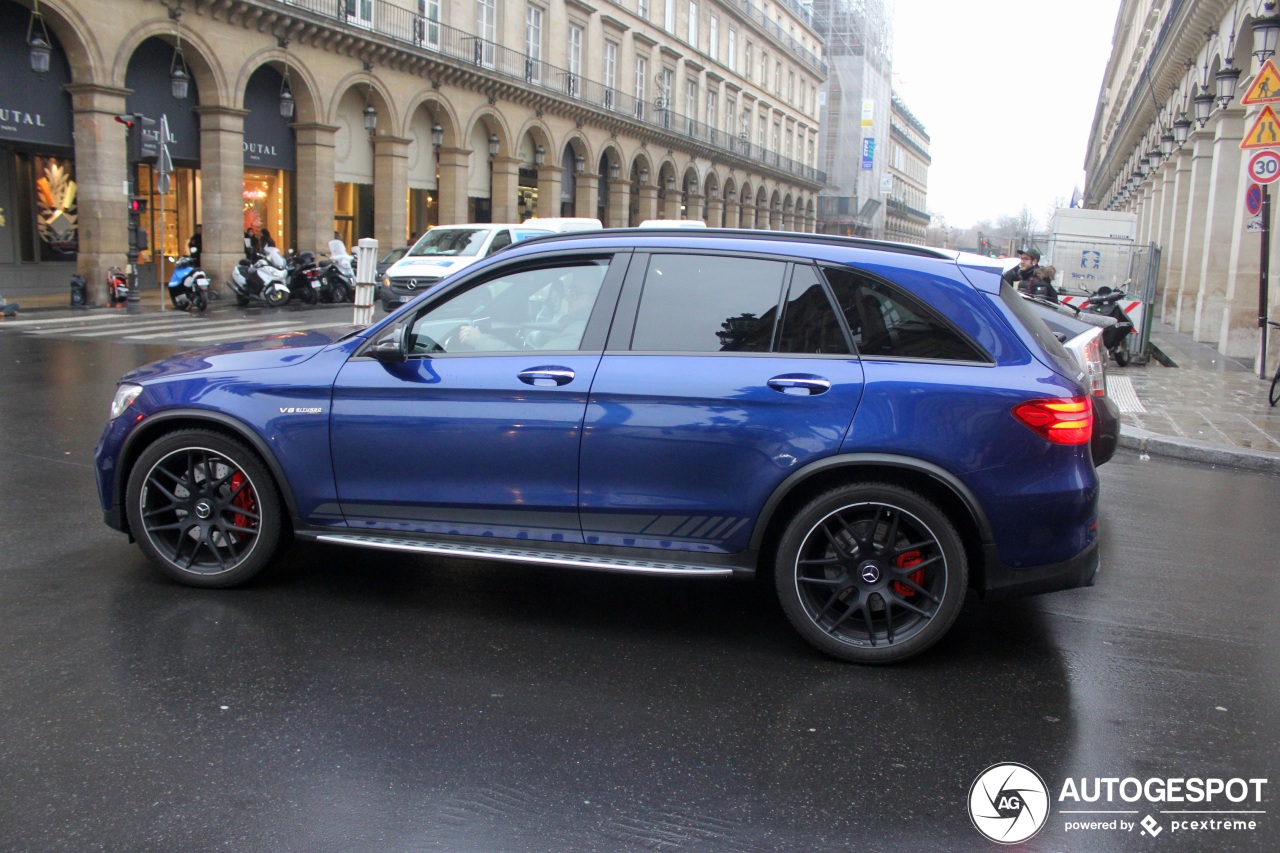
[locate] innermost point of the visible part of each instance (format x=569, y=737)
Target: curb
x=1145, y=441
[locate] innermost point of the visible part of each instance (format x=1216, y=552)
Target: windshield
x=450, y=241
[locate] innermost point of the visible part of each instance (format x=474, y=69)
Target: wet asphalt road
x=353, y=701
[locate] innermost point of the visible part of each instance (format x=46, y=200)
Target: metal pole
x=160, y=257
x=1263, y=280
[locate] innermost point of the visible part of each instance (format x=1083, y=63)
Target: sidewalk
x=1210, y=408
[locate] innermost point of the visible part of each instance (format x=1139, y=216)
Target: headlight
x=125, y=395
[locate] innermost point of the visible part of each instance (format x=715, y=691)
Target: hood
x=440, y=265
x=282, y=350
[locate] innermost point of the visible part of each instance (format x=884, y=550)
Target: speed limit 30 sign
x=1264, y=167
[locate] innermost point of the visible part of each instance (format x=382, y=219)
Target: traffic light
x=144, y=137
x=138, y=204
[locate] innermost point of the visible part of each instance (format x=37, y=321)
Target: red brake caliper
x=906, y=561
x=244, y=500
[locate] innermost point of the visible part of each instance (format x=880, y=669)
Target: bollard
x=366, y=269
x=79, y=295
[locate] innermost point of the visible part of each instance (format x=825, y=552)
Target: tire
x=1275, y=390
x=338, y=292
x=198, y=300
x=275, y=298
x=871, y=573
x=308, y=295
x=242, y=301
x=204, y=509
x=1121, y=354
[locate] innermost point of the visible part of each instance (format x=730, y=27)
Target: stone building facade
x=906, y=219
x=1189, y=197
x=483, y=110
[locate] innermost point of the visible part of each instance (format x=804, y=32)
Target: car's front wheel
x=871, y=573
x=204, y=508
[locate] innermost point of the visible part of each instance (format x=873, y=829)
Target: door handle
x=800, y=384
x=545, y=377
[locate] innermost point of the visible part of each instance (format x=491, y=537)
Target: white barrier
x=366, y=269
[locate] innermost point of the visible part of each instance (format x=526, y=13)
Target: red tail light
x=1061, y=420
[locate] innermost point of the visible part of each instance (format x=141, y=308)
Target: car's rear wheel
x=204, y=508
x=871, y=573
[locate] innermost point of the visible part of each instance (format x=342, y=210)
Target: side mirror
x=389, y=349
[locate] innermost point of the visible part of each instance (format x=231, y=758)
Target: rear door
x=723, y=375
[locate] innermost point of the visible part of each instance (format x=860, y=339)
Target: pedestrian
x=252, y=248
x=194, y=246
x=1041, y=283
x=1028, y=260
x=7, y=309
x=266, y=239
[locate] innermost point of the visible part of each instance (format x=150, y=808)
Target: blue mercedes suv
x=878, y=427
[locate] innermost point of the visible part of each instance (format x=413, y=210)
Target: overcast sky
x=1006, y=90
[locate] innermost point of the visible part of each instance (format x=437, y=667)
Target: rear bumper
x=1002, y=583
x=1106, y=429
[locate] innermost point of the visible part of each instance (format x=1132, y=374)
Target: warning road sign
x=1264, y=167
x=1265, y=88
x=1265, y=132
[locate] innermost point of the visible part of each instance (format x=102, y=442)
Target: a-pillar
x=453, y=164
x=715, y=211
x=1174, y=246
x=390, y=190
x=584, y=198
x=221, y=188
x=505, y=191
x=549, y=180
x=314, y=147
x=648, y=203
x=1201, y=182
x=101, y=146
x=1223, y=217
x=619, y=203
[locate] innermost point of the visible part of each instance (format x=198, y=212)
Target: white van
x=443, y=251
x=560, y=224
x=673, y=223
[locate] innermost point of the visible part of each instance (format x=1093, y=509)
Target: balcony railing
x=429, y=37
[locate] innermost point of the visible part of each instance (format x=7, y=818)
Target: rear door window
x=708, y=303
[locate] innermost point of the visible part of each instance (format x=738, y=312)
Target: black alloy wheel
x=871, y=573
x=1275, y=390
x=204, y=508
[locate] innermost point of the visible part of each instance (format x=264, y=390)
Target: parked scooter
x=264, y=280
x=1106, y=302
x=188, y=285
x=304, y=277
x=338, y=274
x=117, y=286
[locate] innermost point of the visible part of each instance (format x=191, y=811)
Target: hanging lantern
x=39, y=52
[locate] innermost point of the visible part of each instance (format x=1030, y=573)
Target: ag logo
x=1008, y=803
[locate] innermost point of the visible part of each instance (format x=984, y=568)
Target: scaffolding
x=854, y=106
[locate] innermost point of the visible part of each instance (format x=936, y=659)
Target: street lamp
x=1266, y=31
x=437, y=136
x=1226, y=78
x=286, y=97
x=179, y=79
x=579, y=164
x=1181, y=129
x=539, y=156
x=1203, y=103
x=1167, y=143
x=644, y=175
x=614, y=168
x=38, y=50
x=493, y=145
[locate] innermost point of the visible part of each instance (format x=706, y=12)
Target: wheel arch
x=157, y=425
x=932, y=481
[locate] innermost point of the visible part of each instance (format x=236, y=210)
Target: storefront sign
x=34, y=108
x=268, y=136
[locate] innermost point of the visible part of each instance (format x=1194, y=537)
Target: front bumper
x=1001, y=583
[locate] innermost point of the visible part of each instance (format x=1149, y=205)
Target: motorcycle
x=264, y=280
x=188, y=286
x=117, y=286
x=304, y=277
x=338, y=274
x=1106, y=302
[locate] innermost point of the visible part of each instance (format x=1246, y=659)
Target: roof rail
x=747, y=233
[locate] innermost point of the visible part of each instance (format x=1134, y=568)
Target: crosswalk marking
x=253, y=333
x=90, y=318
x=176, y=326
x=125, y=330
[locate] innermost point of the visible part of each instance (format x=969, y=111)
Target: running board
x=522, y=555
